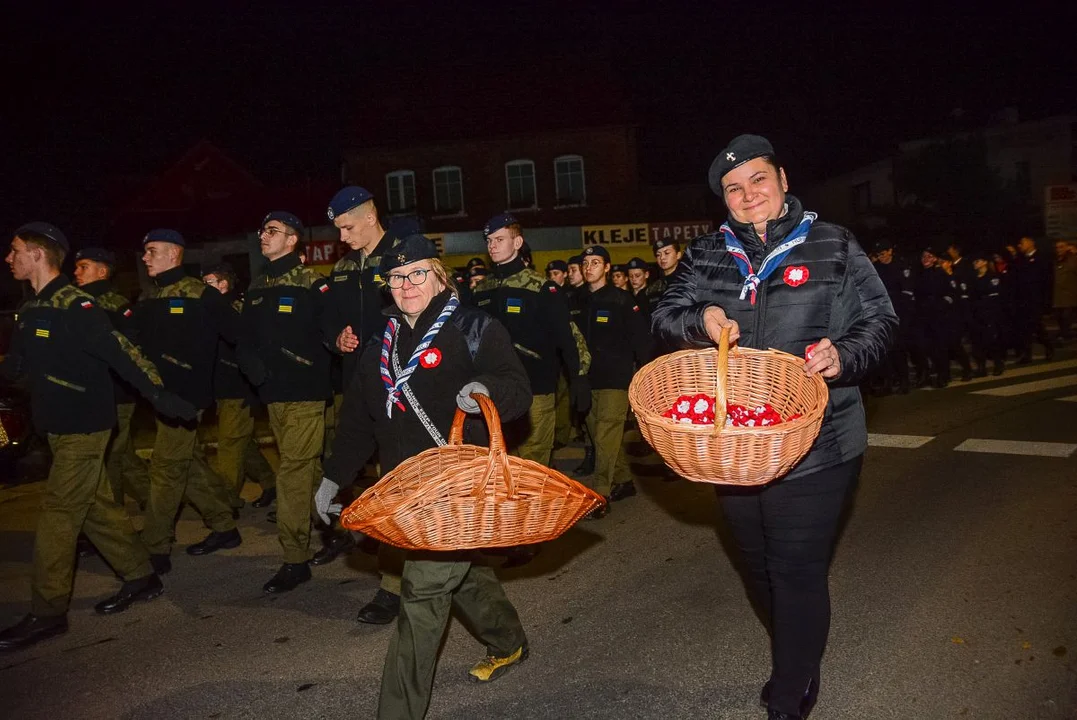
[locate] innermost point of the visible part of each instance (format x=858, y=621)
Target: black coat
x=841, y=299
x=473, y=347
x=615, y=329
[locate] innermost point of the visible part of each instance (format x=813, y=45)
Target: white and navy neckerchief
x=395, y=388
x=774, y=258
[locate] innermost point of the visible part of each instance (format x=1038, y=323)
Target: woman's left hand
x=823, y=359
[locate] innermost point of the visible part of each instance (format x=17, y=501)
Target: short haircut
x=364, y=208
x=54, y=254
x=515, y=230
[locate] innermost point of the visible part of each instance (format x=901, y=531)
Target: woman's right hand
x=714, y=320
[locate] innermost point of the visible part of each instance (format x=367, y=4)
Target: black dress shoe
x=335, y=544
x=266, y=498
x=811, y=695
x=382, y=610
x=288, y=577
x=141, y=590
x=271, y=517
x=599, y=512
x=216, y=541
x=84, y=547
x=161, y=562
x=32, y=629
x=620, y=491
x=999, y=369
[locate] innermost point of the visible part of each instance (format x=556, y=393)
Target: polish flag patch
x=127, y=312
x=431, y=358
x=86, y=304
x=796, y=275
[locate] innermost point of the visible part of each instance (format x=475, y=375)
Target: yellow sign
x=635, y=234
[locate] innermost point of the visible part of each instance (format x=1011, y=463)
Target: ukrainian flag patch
x=285, y=304
x=175, y=306
x=514, y=306
x=42, y=329
x=602, y=316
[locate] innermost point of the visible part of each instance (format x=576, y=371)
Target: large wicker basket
x=464, y=497
x=729, y=455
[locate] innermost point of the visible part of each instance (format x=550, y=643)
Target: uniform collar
x=97, y=288
x=168, y=277
x=283, y=264
x=510, y=268
x=52, y=286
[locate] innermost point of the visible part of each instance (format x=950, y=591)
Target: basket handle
x=720, y=400
x=498, y=453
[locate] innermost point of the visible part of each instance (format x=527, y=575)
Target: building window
x=448, y=191
x=861, y=196
x=400, y=191
x=520, y=182
x=571, y=187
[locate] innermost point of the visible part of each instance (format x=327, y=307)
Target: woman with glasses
x=432, y=357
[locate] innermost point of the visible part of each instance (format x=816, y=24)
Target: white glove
x=467, y=403
x=323, y=500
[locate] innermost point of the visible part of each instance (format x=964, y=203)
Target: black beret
x=739, y=151
x=221, y=268
x=576, y=260
x=619, y=268
x=497, y=222
x=597, y=251
x=48, y=230
x=97, y=254
x=928, y=249
x=557, y=265
x=881, y=245
x=285, y=217
x=664, y=242
x=411, y=249
x=475, y=261
x=347, y=199
x=479, y=271
x=164, y=235
x=638, y=264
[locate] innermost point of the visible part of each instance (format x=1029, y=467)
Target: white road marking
x=1029, y=387
x=898, y=441
x=1071, y=398
x=1016, y=447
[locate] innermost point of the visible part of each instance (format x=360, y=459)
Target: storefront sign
x=614, y=234
x=680, y=232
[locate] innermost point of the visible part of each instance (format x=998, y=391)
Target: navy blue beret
x=497, y=222
x=475, y=261
x=637, y=264
x=739, y=151
x=164, y=235
x=597, y=251
x=576, y=260
x=411, y=249
x=664, y=242
x=557, y=265
x=285, y=217
x=619, y=268
x=347, y=199
x=97, y=254
x=48, y=230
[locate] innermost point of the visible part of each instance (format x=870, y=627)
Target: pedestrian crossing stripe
x=175, y=306
x=514, y=306
x=602, y=316
x=284, y=305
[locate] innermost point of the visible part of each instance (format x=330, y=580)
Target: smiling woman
x=777, y=278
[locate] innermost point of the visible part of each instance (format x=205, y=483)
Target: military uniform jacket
x=119, y=313
x=229, y=383
x=360, y=296
x=537, y=318
x=831, y=290
x=64, y=344
x=286, y=320
x=470, y=347
x=987, y=299
x=178, y=322
x=900, y=287
x=934, y=296
x=616, y=333
x=1033, y=283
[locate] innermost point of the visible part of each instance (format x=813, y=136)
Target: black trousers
x=785, y=533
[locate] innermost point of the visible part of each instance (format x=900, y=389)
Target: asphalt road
x=954, y=590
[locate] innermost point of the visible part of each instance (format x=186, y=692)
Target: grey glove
x=467, y=403
x=323, y=500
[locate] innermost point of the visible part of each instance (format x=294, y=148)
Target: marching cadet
x=638, y=275
x=1032, y=293
x=987, y=312
x=574, y=275
x=935, y=312
x=287, y=318
x=65, y=346
x=238, y=456
x=179, y=321
x=540, y=326
x=557, y=272
x=616, y=335
x=899, y=282
x=667, y=253
x=953, y=318
x=360, y=296
x=127, y=472
x=619, y=277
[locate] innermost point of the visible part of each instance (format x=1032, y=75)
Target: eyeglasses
x=415, y=277
x=272, y=232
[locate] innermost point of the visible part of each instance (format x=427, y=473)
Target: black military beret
x=164, y=235
x=597, y=251
x=557, y=265
x=664, y=242
x=221, y=268
x=475, y=262
x=411, y=249
x=497, y=222
x=739, y=151
x=284, y=217
x=97, y=254
x=47, y=230
x=637, y=264
x=881, y=245
x=619, y=268
x=479, y=272
x=576, y=260
x=347, y=199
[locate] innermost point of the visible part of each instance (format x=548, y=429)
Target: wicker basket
x=729, y=455
x=464, y=497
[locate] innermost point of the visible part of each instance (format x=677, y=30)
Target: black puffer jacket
x=841, y=298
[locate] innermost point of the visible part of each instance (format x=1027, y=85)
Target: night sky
x=100, y=95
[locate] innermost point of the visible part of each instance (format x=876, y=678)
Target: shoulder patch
x=87, y=304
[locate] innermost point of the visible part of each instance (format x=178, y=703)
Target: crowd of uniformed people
x=346, y=370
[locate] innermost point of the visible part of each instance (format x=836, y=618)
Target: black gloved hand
x=173, y=406
x=252, y=366
x=579, y=393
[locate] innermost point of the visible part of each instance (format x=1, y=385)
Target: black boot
x=216, y=541
x=334, y=543
x=588, y=465
x=288, y=577
x=266, y=498
x=161, y=562
x=382, y=610
x=84, y=547
x=620, y=491
x=981, y=369
x=999, y=369
x=32, y=629
x=141, y=590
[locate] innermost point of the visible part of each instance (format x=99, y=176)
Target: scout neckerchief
x=773, y=259
x=395, y=388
